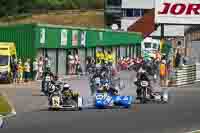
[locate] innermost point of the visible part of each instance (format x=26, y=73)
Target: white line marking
x=194, y=131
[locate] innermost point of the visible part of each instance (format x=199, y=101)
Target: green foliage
x=14, y=7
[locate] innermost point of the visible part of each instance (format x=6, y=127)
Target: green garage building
x=34, y=40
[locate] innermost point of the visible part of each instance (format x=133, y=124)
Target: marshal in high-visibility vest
x=163, y=69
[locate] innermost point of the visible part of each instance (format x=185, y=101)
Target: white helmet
x=66, y=86
x=163, y=61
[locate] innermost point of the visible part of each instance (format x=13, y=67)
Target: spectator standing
x=178, y=59
x=77, y=64
x=98, y=57
x=27, y=70
x=47, y=62
x=35, y=69
x=15, y=69
x=71, y=63
x=163, y=73
x=40, y=67
x=20, y=71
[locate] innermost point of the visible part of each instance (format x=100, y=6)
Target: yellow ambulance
x=7, y=57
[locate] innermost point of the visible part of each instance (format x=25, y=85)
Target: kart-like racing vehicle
x=107, y=96
x=105, y=100
x=64, y=98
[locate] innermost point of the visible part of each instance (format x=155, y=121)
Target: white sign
x=177, y=11
x=170, y=31
x=74, y=38
x=42, y=36
x=101, y=36
x=115, y=27
x=83, y=38
x=137, y=4
x=63, y=37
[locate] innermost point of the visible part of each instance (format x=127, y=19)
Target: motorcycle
x=145, y=93
x=152, y=69
x=64, y=99
x=108, y=97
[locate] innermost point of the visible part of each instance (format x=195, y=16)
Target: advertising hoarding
x=177, y=11
x=74, y=38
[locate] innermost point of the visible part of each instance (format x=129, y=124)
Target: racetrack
x=179, y=116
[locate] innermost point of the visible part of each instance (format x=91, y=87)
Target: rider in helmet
x=142, y=75
x=66, y=88
x=68, y=91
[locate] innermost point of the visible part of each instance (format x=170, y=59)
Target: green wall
x=22, y=36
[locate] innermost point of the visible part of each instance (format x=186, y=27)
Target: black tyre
x=10, y=79
x=143, y=98
x=75, y=104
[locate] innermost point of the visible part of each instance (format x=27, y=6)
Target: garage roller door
x=196, y=50
x=52, y=55
x=62, y=62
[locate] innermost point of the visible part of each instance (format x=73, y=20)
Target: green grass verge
x=5, y=107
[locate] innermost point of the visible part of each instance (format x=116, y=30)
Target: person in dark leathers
x=141, y=75
x=46, y=73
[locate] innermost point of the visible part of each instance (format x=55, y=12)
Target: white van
x=149, y=46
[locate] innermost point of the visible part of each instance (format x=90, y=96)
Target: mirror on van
x=147, y=45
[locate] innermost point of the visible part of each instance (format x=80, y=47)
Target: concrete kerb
x=196, y=131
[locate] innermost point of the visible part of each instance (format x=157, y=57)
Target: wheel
x=10, y=79
x=53, y=109
x=75, y=104
x=143, y=98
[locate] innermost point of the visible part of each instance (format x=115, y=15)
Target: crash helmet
x=106, y=85
x=66, y=86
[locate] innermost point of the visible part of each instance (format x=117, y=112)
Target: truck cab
x=7, y=57
x=149, y=47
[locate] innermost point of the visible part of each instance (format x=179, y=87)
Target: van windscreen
x=147, y=45
x=3, y=60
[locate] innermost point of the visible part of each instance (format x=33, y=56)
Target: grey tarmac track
x=179, y=116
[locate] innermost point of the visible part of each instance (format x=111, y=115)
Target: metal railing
x=184, y=75
x=197, y=71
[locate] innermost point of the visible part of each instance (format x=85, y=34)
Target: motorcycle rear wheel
x=75, y=104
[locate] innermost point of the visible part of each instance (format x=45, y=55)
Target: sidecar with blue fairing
x=105, y=100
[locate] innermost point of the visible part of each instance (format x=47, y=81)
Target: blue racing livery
x=104, y=100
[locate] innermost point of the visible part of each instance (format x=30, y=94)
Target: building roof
x=145, y=24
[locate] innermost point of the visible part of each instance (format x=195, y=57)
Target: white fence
x=185, y=75
x=197, y=71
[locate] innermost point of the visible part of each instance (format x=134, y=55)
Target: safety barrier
x=197, y=71
x=184, y=75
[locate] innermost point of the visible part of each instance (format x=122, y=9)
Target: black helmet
x=48, y=69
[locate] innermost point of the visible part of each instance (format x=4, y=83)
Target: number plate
x=144, y=83
x=56, y=101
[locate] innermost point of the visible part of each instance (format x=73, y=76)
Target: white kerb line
x=194, y=131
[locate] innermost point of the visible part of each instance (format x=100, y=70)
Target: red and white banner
x=177, y=11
